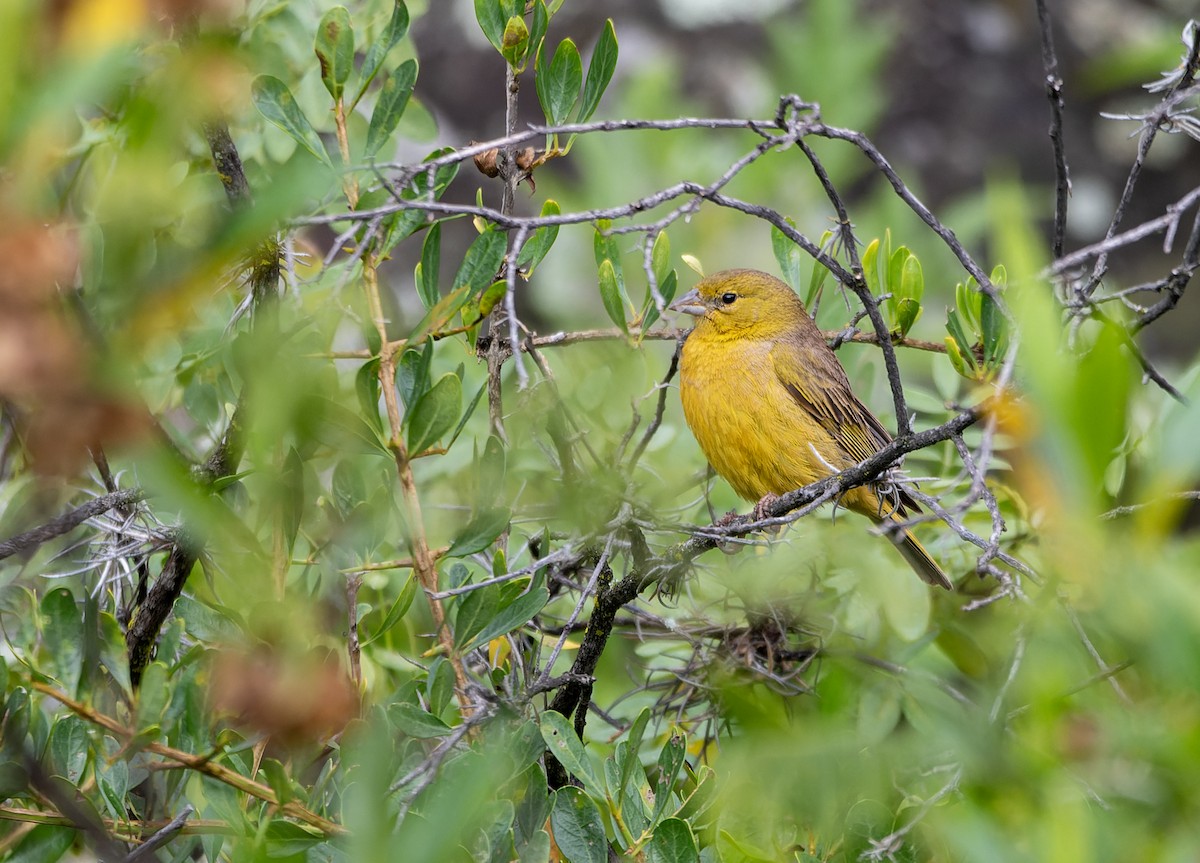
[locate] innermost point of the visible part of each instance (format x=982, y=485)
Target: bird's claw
x=762, y=510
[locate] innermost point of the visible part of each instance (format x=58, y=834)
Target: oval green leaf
x=435, y=413
x=334, y=47
x=275, y=102
x=393, y=99
x=578, y=828
x=558, y=83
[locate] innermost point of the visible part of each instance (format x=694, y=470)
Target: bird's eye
x=728, y=297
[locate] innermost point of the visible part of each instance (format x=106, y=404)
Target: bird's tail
x=918, y=558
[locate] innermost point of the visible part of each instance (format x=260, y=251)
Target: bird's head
x=735, y=303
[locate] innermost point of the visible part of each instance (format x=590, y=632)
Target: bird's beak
x=690, y=304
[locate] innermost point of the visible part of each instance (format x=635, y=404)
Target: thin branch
x=199, y=763
x=68, y=521
x=1054, y=92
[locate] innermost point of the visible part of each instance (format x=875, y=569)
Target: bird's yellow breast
x=751, y=429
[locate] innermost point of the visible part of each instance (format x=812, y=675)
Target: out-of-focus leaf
x=600, y=71
x=63, y=633
x=390, y=37
x=517, y=613
x=479, y=532
x=366, y=387
x=415, y=722
x=631, y=763
x=292, y=486
x=45, y=843
x=334, y=46
x=393, y=99
x=787, y=254
x=475, y=609
x=275, y=102
x=435, y=413
x=397, y=611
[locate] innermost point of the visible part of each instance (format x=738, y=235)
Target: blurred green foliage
x=806, y=699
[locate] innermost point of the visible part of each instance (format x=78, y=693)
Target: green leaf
x=787, y=254
x=482, y=262
x=600, y=71
x=431, y=265
x=439, y=685
x=275, y=102
x=415, y=722
x=537, y=246
x=397, y=611
x=63, y=634
x=666, y=289
x=955, y=328
x=631, y=762
x=153, y=696
x=566, y=746
x=68, y=747
x=578, y=828
x=491, y=470
x=558, y=83
x=390, y=37
x=912, y=280
x=278, y=779
x=895, y=277
x=343, y=429
x=393, y=99
x=515, y=41
x=660, y=257
x=670, y=760
x=908, y=311
x=491, y=21
x=480, y=532
x=519, y=612
x=43, y=844
x=292, y=502
x=537, y=32
x=412, y=374
x=994, y=327
x=672, y=842
x=955, y=354
x=493, y=295
x=366, y=387
x=475, y=609
x=334, y=46
x=610, y=295
x=700, y=797
x=435, y=413
x=870, y=266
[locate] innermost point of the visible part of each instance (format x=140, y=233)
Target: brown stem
x=423, y=560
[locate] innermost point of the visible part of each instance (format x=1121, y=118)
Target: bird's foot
x=762, y=510
x=724, y=521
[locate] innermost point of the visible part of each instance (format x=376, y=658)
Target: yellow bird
x=771, y=406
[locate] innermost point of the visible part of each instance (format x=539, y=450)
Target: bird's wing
x=818, y=384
